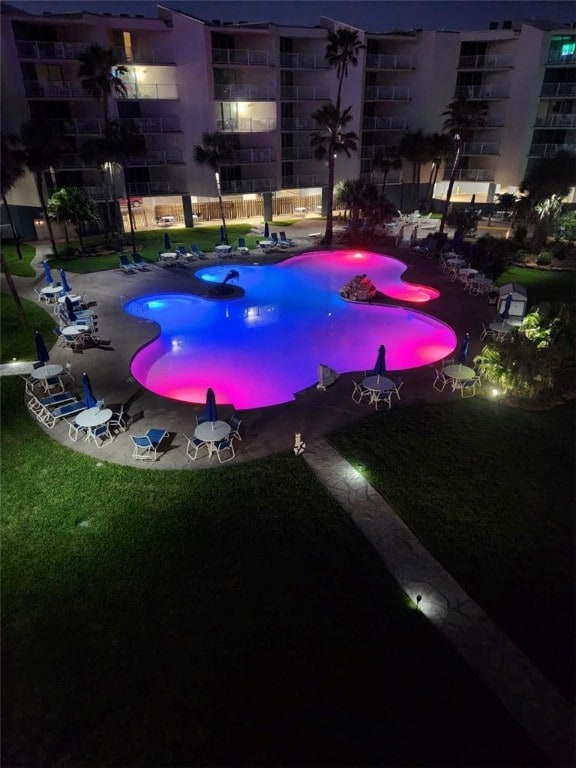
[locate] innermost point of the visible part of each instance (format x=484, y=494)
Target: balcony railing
x=155, y=157
x=302, y=61
x=241, y=156
x=154, y=188
x=502, y=61
x=75, y=161
x=470, y=174
x=482, y=91
x=247, y=125
x=303, y=93
x=298, y=124
x=301, y=180
x=243, y=93
x=39, y=49
x=152, y=91
x=388, y=61
x=480, y=148
x=387, y=93
x=556, y=61
x=553, y=90
x=549, y=150
x=94, y=126
x=247, y=185
x=245, y=57
x=556, y=121
x=54, y=89
x=98, y=193
x=391, y=123
x=377, y=177
x=142, y=56
x=297, y=153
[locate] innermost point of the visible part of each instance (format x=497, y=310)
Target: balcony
x=39, y=49
x=155, y=157
x=142, y=56
x=244, y=57
x=94, y=126
x=243, y=186
x=385, y=123
x=243, y=93
x=247, y=125
x=387, y=93
x=556, y=121
x=482, y=91
x=297, y=153
x=304, y=93
x=470, y=174
x=550, y=150
x=301, y=180
x=302, y=61
x=503, y=61
x=241, y=156
x=155, y=188
x=98, y=193
x=377, y=177
x=555, y=90
x=151, y=91
x=480, y=148
x=298, y=124
x=75, y=161
x=388, y=61
x=54, y=89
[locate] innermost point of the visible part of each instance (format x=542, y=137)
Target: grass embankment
x=204, y=618
x=20, y=267
x=542, y=285
x=17, y=340
x=490, y=491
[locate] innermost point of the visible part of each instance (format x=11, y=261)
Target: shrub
x=520, y=234
x=544, y=258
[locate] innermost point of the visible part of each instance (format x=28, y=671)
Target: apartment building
x=259, y=84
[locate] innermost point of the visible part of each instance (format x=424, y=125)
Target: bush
x=520, y=235
x=68, y=252
x=544, y=258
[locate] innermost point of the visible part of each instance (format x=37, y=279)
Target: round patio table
x=211, y=432
x=93, y=417
x=457, y=373
x=51, y=291
x=46, y=372
x=73, y=298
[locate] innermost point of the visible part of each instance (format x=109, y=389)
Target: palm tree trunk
x=329, y=232
x=13, y=290
x=38, y=178
x=78, y=229
x=221, y=203
x=12, y=227
x=450, y=187
x=130, y=219
x=433, y=184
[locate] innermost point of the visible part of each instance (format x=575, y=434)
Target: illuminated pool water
x=263, y=348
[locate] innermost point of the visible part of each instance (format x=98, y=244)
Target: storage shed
x=517, y=305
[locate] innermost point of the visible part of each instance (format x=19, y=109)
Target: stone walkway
x=523, y=690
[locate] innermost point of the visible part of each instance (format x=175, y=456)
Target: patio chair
x=62, y=340
x=286, y=241
x=274, y=238
x=100, y=435
x=29, y=384
x=125, y=265
x=383, y=397
x=75, y=431
x=41, y=296
x=242, y=247
x=234, y=422
x=224, y=445
x=194, y=445
x=139, y=262
x=398, y=387
x=146, y=446
x=487, y=332
x=468, y=388
x=440, y=381
x=67, y=373
x=360, y=392
x=197, y=252
x=119, y=419
x=61, y=398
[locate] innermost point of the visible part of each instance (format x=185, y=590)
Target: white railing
x=297, y=153
x=482, y=91
x=556, y=121
x=39, y=49
x=391, y=123
x=247, y=125
x=502, y=61
x=301, y=180
x=558, y=89
x=471, y=174
x=252, y=156
x=480, y=148
x=156, y=157
x=303, y=93
x=142, y=56
x=241, y=56
x=243, y=93
x=151, y=91
x=549, y=150
x=247, y=185
x=387, y=93
x=388, y=61
x=302, y=61
x=298, y=124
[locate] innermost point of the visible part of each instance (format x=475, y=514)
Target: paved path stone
x=526, y=693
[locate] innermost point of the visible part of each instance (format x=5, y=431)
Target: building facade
x=259, y=84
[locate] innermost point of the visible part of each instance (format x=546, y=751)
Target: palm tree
x=414, y=148
x=121, y=142
x=41, y=150
x=386, y=159
x=439, y=149
x=99, y=75
x=328, y=141
x=13, y=168
x=462, y=118
x=550, y=176
x=547, y=210
x=342, y=51
x=215, y=151
x=73, y=206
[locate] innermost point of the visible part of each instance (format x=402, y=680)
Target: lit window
x=568, y=49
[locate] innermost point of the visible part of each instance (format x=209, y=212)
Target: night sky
x=374, y=16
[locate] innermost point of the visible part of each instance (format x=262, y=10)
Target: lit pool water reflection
x=261, y=349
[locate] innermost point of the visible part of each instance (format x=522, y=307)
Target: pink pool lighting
x=263, y=348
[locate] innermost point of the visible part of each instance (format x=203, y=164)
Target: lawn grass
x=490, y=491
x=19, y=267
x=17, y=341
x=205, y=618
x=542, y=285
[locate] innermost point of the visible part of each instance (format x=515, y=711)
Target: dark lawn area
x=17, y=340
x=541, y=284
x=490, y=491
x=226, y=618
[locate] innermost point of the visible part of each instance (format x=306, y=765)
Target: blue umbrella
x=64, y=281
x=266, y=230
x=167, y=243
x=70, y=309
x=464, y=347
x=211, y=412
x=380, y=367
x=41, y=351
x=49, y=278
x=506, y=312
x=89, y=398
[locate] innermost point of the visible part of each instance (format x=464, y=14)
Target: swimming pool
x=261, y=349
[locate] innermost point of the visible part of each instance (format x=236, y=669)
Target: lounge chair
x=146, y=446
x=274, y=238
x=181, y=249
x=125, y=265
x=286, y=241
x=49, y=418
x=242, y=247
x=197, y=252
x=194, y=445
x=139, y=262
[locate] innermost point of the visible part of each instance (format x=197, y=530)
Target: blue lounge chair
x=49, y=418
x=139, y=262
x=181, y=249
x=197, y=252
x=125, y=265
x=286, y=241
x=242, y=247
x=146, y=446
x=274, y=238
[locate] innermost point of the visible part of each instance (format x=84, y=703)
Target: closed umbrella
x=70, y=309
x=506, y=312
x=380, y=367
x=167, y=243
x=64, y=281
x=41, y=351
x=211, y=411
x=266, y=230
x=464, y=347
x=49, y=278
x=89, y=398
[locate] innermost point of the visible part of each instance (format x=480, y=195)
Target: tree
x=13, y=168
x=415, y=148
x=328, y=141
x=73, y=206
x=547, y=210
x=121, y=142
x=341, y=52
x=215, y=151
x=462, y=118
x=13, y=290
x=550, y=176
x=41, y=151
x=386, y=159
x=99, y=76
x=439, y=150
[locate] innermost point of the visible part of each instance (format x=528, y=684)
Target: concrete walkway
x=523, y=690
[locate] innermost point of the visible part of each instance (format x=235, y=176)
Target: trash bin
x=493, y=297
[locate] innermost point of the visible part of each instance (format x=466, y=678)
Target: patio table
x=468, y=272
x=75, y=298
x=377, y=384
x=51, y=291
x=46, y=372
x=457, y=374
x=501, y=329
x=93, y=417
x=169, y=256
x=211, y=432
